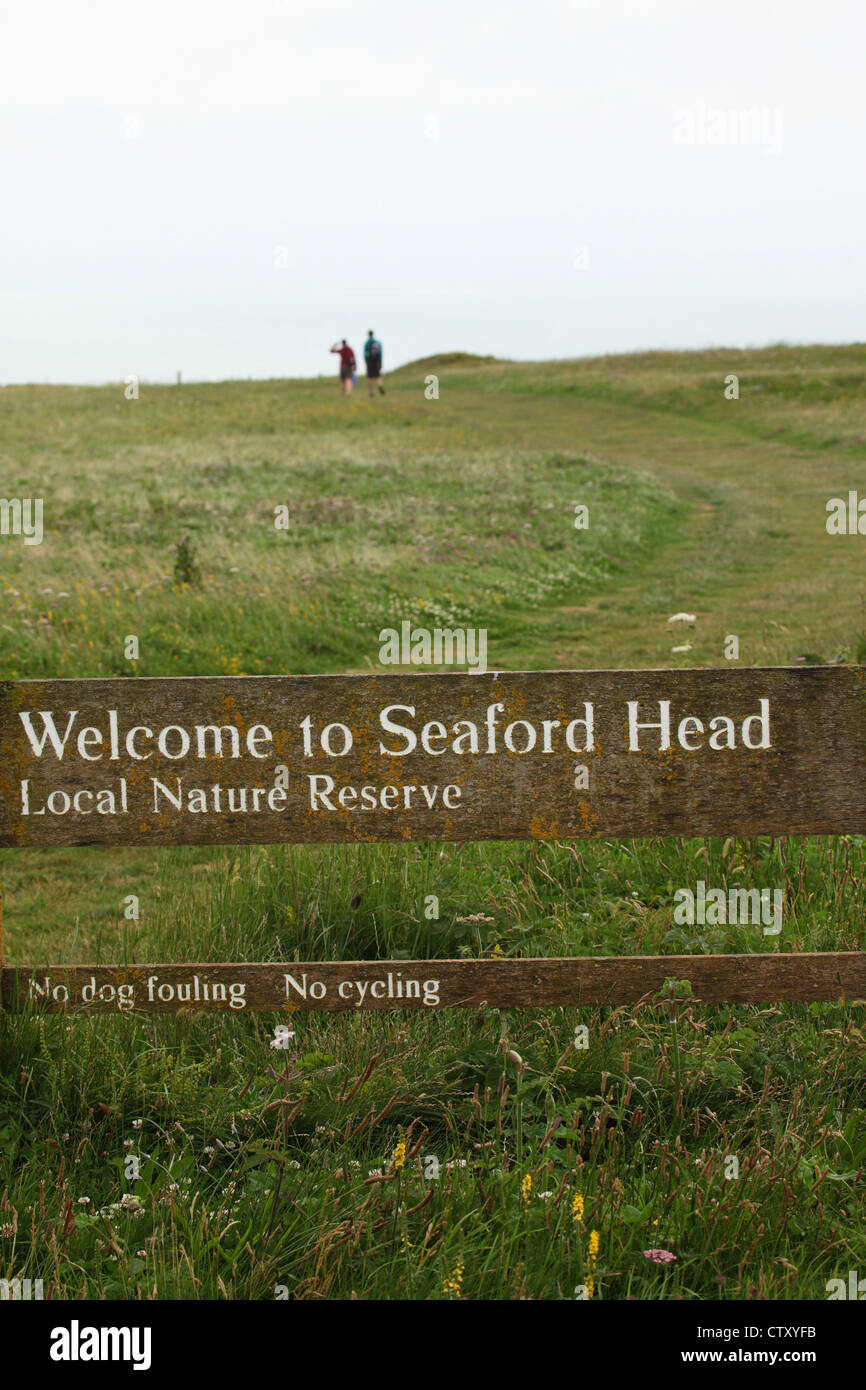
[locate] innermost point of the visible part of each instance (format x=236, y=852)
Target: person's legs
x=374, y=376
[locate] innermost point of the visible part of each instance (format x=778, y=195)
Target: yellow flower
x=399, y=1155
x=526, y=1187
x=577, y=1208
x=591, y=1258
x=452, y=1284
x=497, y=950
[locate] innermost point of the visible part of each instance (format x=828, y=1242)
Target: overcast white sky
x=544, y=179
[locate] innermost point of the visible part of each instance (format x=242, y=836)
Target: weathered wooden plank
x=430, y=985
x=532, y=755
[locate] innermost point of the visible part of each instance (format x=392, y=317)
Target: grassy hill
x=459, y=510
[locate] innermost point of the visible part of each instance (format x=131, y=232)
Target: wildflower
x=453, y=1283
x=399, y=1155
x=659, y=1257
x=544, y=1196
x=84, y=1201
x=6, y=1232
x=209, y=1149
x=591, y=1259
x=497, y=950
x=136, y=1124
x=526, y=1187
x=577, y=1208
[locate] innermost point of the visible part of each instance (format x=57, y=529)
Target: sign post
x=504, y=756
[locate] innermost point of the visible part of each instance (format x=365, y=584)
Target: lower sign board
x=428, y=985
x=509, y=756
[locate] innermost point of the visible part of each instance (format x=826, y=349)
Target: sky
x=225, y=188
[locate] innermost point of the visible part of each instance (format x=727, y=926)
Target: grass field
x=455, y=1156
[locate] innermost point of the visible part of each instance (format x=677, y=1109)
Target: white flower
x=545, y=1195
x=136, y=1124
x=84, y=1201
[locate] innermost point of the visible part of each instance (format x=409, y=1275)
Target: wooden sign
x=515, y=755
x=427, y=986
x=534, y=755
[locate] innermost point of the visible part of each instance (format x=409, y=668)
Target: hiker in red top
x=347, y=365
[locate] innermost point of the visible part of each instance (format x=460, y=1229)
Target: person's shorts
x=374, y=367
x=346, y=373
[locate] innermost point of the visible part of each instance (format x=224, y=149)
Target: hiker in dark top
x=373, y=359
x=347, y=365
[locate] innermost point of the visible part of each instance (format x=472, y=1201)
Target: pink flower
x=659, y=1257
